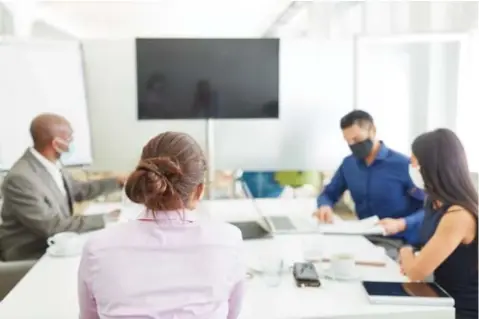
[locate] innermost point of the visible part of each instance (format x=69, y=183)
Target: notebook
x=367, y=226
x=407, y=293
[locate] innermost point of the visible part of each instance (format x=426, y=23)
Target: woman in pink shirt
x=168, y=263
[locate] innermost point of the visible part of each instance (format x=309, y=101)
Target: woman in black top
x=449, y=231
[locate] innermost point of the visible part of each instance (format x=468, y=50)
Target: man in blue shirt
x=379, y=182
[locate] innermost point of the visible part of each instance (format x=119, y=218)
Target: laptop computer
x=267, y=226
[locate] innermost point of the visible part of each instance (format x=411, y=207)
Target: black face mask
x=362, y=149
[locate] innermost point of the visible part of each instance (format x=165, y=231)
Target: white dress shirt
x=52, y=168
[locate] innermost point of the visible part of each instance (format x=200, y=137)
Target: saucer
x=351, y=277
x=313, y=259
x=54, y=252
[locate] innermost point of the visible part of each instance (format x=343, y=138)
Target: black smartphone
x=305, y=275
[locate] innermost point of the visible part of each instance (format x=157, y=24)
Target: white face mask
x=65, y=150
x=416, y=177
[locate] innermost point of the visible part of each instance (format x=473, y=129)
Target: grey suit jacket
x=34, y=208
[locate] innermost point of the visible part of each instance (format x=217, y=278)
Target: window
x=383, y=91
x=468, y=100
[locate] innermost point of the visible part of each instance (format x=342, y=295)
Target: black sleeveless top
x=458, y=273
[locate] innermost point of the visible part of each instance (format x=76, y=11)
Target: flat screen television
x=207, y=78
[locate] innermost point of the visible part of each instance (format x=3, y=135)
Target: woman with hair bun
x=168, y=263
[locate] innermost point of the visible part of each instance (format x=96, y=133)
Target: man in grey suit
x=39, y=195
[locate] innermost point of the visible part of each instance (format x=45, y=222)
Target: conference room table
x=49, y=290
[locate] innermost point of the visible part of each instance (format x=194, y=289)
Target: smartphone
x=305, y=275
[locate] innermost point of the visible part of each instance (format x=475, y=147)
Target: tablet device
x=407, y=293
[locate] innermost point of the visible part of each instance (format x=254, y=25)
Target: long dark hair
x=443, y=166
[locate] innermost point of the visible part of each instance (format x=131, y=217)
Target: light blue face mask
x=67, y=154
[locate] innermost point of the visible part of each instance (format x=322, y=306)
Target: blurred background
x=414, y=65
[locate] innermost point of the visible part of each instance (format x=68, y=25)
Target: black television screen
x=207, y=78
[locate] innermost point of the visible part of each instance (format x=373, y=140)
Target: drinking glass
x=272, y=270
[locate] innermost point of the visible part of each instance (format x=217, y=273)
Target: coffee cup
x=64, y=244
x=343, y=266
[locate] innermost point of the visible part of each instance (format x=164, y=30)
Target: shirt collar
x=55, y=167
x=175, y=216
x=383, y=151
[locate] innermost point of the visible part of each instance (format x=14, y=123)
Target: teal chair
x=262, y=184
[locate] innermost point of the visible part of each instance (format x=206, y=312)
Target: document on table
x=367, y=226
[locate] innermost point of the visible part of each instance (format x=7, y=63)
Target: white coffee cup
x=64, y=244
x=343, y=266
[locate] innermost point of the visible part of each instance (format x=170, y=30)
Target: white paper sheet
x=367, y=226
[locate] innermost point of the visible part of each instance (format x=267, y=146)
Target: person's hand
x=406, y=253
x=392, y=226
x=324, y=214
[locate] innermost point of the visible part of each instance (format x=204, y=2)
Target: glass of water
x=273, y=270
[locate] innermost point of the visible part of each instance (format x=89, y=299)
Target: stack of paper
x=367, y=226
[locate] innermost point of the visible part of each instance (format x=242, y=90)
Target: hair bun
x=153, y=182
x=165, y=165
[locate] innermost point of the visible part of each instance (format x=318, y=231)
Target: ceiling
x=246, y=18
x=167, y=18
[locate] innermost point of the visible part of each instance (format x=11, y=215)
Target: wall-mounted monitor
x=207, y=78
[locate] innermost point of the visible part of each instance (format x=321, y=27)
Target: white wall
x=409, y=84
x=6, y=22
x=41, y=29
x=118, y=136
x=315, y=91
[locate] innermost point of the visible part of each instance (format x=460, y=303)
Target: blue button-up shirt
x=382, y=188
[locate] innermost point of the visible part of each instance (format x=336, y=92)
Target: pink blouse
x=174, y=267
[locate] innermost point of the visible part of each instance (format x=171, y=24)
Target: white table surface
x=49, y=290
